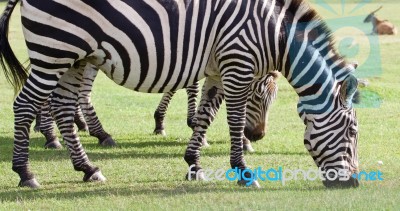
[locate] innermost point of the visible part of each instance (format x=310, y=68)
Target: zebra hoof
x=81, y=124
x=32, y=183
x=53, y=144
x=84, y=129
x=159, y=132
x=36, y=129
x=253, y=184
x=199, y=176
x=96, y=177
x=248, y=148
x=108, y=142
x=205, y=144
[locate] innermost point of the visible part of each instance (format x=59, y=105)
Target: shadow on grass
x=125, y=150
x=150, y=147
x=269, y=152
x=158, y=189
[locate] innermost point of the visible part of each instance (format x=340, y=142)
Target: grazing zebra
x=159, y=114
x=255, y=115
x=159, y=46
x=44, y=121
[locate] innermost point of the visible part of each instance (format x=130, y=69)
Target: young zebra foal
x=160, y=46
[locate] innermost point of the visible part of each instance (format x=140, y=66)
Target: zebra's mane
x=310, y=15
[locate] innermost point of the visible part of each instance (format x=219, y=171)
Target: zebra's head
x=261, y=95
x=331, y=138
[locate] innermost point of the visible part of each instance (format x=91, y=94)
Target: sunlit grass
x=147, y=171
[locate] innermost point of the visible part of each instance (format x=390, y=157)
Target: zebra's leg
x=47, y=127
x=95, y=127
x=63, y=104
x=212, y=96
x=79, y=119
x=247, y=147
x=31, y=98
x=36, y=128
x=236, y=93
x=192, y=92
x=210, y=103
x=160, y=112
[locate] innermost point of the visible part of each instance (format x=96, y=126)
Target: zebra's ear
x=352, y=66
x=348, y=90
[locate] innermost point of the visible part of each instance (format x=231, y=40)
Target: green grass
x=147, y=171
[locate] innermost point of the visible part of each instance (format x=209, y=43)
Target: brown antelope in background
x=380, y=27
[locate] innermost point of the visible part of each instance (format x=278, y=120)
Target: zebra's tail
x=14, y=71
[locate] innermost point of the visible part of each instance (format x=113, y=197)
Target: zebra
x=159, y=114
x=44, y=121
x=160, y=46
x=255, y=115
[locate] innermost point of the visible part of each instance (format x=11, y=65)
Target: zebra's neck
x=310, y=62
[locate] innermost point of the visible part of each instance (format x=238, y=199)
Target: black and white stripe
x=161, y=46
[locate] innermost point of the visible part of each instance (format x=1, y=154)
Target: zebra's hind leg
x=160, y=112
x=192, y=92
x=47, y=127
x=31, y=98
x=93, y=123
x=79, y=119
x=63, y=105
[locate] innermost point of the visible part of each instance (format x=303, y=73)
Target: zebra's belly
x=147, y=80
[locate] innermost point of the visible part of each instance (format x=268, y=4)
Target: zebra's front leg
x=93, y=123
x=236, y=100
x=160, y=112
x=63, y=104
x=210, y=103
x=247, y=147
x=211, y=99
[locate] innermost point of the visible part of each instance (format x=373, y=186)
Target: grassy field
x=147, y=171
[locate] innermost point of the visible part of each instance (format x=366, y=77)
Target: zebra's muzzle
x=255, y=134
